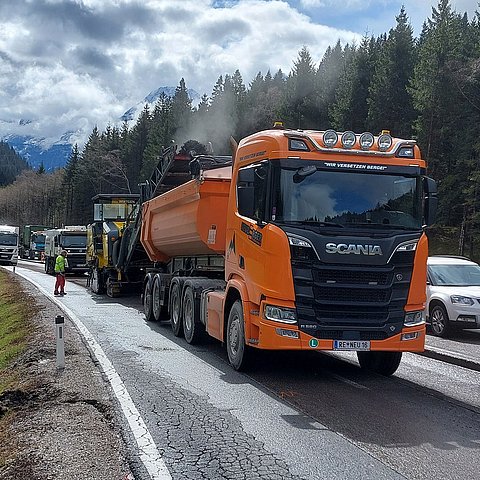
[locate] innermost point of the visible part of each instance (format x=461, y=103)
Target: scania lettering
x=295, y=243
x=343, y=248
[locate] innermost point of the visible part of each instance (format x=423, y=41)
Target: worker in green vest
x=60, y=266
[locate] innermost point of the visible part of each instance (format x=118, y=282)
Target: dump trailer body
x=188, y=220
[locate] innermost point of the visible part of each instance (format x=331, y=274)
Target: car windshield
x=74, y=241
x=455, y=275
x=347, y=198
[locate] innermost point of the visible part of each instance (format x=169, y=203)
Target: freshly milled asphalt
x=207, y=421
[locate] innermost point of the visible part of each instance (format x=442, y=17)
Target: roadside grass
x=13, y=326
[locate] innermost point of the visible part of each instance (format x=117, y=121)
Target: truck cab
x=327, y=248
x=9, y=241
x=73, y=239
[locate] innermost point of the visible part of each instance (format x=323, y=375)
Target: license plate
x=4, y=256
x=351, y=345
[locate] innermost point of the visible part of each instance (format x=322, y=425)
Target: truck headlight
x=461, y=300
x=280, y=314
x=414, y=318
x=301, y=249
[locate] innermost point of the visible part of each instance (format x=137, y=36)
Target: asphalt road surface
x=309, y=415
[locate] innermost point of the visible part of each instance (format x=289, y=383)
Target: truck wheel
x=159, y=311
x=384, y=363
x=239, y=354
x=192, y=328
x=176, y=309
x=96, y=281
x=439, y=322
x=51, y=266
x=147, y=301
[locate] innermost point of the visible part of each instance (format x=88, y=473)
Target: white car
x=453, y=294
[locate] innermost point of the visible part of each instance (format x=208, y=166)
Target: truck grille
x=352, y=301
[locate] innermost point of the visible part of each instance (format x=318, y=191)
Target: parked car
x=453, y=294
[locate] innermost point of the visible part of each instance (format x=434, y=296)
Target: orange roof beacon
x=304, y=240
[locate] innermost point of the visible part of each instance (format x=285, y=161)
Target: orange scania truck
x=303, y=240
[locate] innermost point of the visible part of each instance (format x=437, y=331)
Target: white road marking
x=148, y=452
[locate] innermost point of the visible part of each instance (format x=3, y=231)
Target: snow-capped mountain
x=36, y=153
x=25, y=135
x=150, y=100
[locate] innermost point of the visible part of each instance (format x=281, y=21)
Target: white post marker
x=60, y=327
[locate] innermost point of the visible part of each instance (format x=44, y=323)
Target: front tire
x=439, y=322
x=96, y=281
x=384, y=363
x=239, y=353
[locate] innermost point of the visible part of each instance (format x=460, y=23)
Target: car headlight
x=414, y=318
x=280, y=314
x=461, y=300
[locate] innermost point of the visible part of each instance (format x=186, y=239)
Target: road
x=311, y=415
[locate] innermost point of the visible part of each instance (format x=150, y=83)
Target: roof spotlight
x=384, y=142
x=348, y=139
x=330, y=138
x=366, y=141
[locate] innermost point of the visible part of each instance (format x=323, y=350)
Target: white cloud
x=69, y=64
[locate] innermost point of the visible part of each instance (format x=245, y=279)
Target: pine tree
x=390, y=104
x=300, y=110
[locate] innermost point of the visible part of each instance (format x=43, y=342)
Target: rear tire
x=159, y=310
x=176, y=309
x=384, y=363
x=192, y=327
x=239, y=353
x=439, y=322
x=147, y=301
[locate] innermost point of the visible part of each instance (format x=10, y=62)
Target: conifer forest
x=425, y=88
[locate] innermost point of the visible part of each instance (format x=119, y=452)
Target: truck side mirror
x=431, y=200
x=55, y=241
x=245, y=192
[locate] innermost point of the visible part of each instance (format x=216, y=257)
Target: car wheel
x=439, y=322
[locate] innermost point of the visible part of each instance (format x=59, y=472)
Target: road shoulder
x=58, y=424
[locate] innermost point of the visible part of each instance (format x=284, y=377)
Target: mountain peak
x=133, y=112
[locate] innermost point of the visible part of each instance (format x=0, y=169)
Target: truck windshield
x=38, y=238
x=352, y=199
x=9, y=239
x=74, y=241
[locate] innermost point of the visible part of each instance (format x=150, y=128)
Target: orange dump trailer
x=189, y=220
x=306, y=240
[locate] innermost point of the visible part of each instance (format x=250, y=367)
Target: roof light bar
x=348, y=139
x=330, y=138
x=366, y=141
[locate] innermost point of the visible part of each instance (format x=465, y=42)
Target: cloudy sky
x=66, y=65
